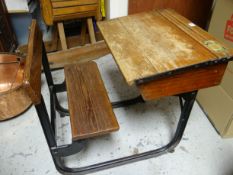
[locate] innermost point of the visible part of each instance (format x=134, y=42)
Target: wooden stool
x=56, y=11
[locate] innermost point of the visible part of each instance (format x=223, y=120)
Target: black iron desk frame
x=58, y=152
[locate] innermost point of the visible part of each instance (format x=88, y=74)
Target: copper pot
x=14, y=98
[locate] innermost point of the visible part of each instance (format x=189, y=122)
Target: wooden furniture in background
x=197, y=11
x=76, y=54
x=8, y=42
x=20, y=78
x=62, y=36
x=164, y=53
x=56, y=11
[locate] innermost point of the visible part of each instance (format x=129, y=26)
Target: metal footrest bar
x=61, y=110
x=188, y=98
x=60, y=87
x=128, y=102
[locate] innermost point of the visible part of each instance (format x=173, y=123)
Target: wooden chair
x=56, y=11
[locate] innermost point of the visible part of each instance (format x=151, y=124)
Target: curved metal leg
x=57, y=88
x=188, y=98
x=49, y=131
x=67, y=150
x=61, y=110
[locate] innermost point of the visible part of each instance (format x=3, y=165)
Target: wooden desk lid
x=157, y=42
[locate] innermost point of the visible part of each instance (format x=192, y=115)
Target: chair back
x=32, y=77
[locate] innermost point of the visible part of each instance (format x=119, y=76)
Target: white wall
x=116, y=8
x=17, y=6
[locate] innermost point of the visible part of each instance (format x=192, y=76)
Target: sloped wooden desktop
x=164, y=53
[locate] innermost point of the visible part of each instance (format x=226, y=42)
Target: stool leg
x=83, y=32
x=54, y=43
x=62, y=36
x=91, y=30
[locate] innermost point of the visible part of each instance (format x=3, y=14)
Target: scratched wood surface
x=156, y=42
x=91, y=112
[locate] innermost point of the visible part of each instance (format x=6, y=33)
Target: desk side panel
x=187, y=81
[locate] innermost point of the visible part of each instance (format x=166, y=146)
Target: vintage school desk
x=161, y=52
x=165, y=54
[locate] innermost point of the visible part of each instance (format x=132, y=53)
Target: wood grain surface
x=91, y=112
x=58, y=4
x=46, y=10
x=187, y=81
x=74, y=9
x=64, y=17
x=156, y=42
x=196, y=32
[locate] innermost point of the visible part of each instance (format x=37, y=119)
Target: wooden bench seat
x=91, y=112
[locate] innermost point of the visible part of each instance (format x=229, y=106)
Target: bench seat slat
x=91, y=112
